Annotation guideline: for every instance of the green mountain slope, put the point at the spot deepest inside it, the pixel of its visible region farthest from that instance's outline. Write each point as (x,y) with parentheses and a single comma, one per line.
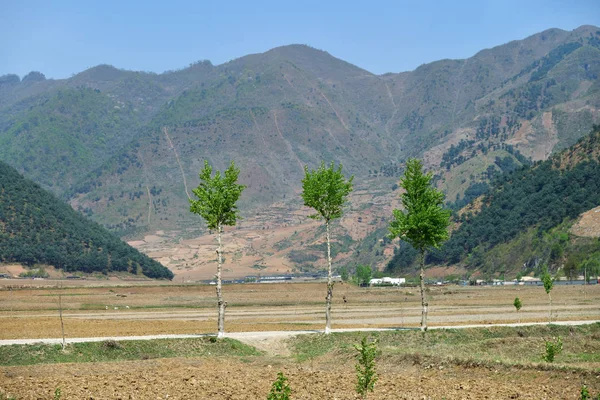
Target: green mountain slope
(524,219)
(293,106)
(60,137)
(35,227)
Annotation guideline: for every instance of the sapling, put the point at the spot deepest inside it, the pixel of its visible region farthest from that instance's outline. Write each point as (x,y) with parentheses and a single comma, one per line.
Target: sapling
(553,348)
(216,203)
(365,366)
(326,190)
(548,282)
(280,390)
(517,303)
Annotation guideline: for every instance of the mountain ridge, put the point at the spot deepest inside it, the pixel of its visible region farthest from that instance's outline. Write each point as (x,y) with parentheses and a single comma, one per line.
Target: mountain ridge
(294,105)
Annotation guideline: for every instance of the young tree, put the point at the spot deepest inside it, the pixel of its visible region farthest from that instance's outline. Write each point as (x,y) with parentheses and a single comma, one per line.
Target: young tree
(365,367)
(424,222)
(216,204)
(344,273)
(548,282)
(517,303)
(325,190)
(363,274)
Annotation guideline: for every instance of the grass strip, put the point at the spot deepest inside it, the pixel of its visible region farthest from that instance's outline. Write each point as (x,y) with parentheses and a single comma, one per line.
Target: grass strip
(514,346)
(110,350)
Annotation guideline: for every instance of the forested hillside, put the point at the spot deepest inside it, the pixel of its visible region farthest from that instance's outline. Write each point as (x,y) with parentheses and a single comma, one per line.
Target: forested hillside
(37,228)
(125,147)
(523,221)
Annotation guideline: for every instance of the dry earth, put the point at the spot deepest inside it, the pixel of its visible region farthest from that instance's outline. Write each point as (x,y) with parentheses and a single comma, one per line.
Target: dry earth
(103,311)
(328,378)
(32,313)
(588,224)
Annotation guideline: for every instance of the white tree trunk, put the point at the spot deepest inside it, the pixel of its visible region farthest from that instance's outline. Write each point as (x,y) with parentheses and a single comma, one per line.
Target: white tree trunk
(550,315)
(62,325)
(423,302)
(220,302)
(329,285)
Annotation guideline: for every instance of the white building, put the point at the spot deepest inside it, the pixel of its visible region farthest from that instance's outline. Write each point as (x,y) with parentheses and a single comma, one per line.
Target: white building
(387,281)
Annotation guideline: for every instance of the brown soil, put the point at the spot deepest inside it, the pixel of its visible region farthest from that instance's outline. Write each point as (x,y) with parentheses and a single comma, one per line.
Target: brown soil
(327,378)
(279,307)
(91,312)
(588,224)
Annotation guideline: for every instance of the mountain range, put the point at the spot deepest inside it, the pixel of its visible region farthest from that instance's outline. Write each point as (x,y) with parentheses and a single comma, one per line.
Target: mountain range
(125,147)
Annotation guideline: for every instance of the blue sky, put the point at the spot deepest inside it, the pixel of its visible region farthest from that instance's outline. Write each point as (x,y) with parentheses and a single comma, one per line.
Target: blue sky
(63,37)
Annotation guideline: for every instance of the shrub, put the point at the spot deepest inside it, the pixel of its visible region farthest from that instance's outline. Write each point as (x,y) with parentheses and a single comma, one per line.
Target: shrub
(553,348)
(585,394)
(280,389)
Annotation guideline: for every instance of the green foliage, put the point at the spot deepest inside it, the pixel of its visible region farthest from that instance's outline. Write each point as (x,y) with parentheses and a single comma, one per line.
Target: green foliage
(553,348)
(119,351)
(65,134)
(548,281)
(365,366)
(57,394)
(280,390)
(404,258)
(554,57)
(591,266)
(301,257)
(325,190)
(540,197)
(363,274)
(424,223)
(585,393)
(34,273)
(344,273)
(517,303)
(217,196)
(497,346)
(37,228)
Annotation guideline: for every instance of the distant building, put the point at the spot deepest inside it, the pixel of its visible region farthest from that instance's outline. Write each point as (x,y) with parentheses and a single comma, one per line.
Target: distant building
(387,281)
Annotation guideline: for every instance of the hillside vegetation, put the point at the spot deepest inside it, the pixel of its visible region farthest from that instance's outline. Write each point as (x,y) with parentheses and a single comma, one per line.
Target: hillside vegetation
(125,147)
(37,228)
(522,223)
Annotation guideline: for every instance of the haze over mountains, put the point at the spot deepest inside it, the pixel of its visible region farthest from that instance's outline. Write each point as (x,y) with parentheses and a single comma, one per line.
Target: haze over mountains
(126,147)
